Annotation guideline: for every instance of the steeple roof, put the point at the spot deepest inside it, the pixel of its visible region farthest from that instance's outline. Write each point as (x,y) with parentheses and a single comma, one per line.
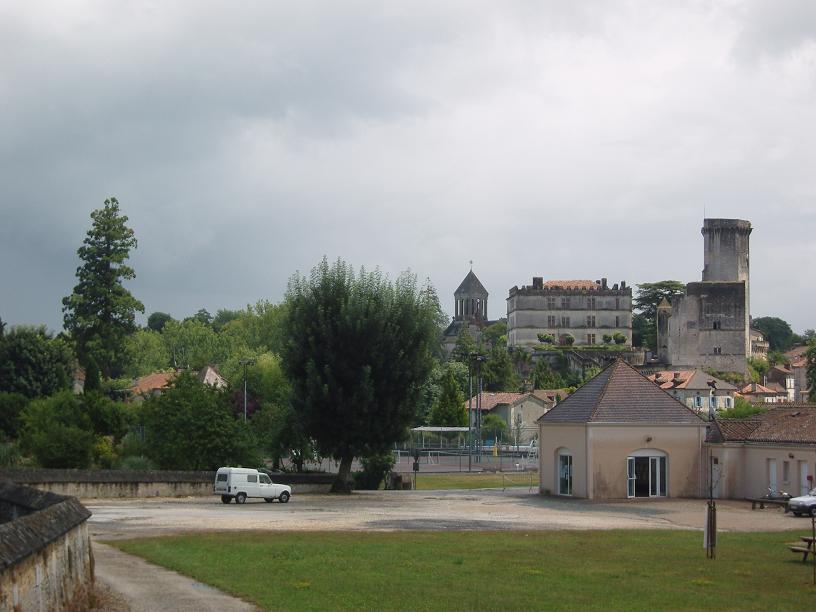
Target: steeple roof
(471,286)
(620,394)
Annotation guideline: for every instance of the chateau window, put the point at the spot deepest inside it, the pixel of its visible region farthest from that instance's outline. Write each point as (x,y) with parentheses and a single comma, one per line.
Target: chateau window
(551,321)
(550,303)
(617,321)
(591,303)
(565,322)
(617,303)
(565,302)
(591,322)
(718,350)
(590,338)
(716,325)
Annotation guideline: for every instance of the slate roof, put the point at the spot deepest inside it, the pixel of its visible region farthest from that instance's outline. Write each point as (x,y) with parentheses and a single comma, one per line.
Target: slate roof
(471,286)
(783,424)
(688,379)
(620,394)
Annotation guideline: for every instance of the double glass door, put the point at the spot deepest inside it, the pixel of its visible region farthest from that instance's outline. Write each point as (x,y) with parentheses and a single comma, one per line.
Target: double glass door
(646,476)
(565,474)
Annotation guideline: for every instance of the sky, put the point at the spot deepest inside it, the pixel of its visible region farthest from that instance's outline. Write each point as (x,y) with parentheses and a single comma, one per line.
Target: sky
(246,140)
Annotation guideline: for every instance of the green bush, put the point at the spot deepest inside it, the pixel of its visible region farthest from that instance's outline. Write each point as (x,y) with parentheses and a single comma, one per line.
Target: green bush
(9,454)
(375,469)
(569,339)
(619,338)
(104,455)
(607,338)
(546,338)
(135,462)
(57,432)
(11,406)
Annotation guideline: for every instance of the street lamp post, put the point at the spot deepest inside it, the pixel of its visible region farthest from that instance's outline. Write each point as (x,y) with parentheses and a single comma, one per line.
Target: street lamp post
(245,363)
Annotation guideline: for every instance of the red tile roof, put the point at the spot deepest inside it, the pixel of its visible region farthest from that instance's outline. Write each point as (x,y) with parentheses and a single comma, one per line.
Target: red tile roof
(688,379)
(782,424)
(797,356)
(491,400)
(571,284)
(152,382)
(757,389)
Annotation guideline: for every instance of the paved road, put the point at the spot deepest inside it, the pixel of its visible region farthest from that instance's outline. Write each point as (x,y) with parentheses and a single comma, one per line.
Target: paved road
(515,509)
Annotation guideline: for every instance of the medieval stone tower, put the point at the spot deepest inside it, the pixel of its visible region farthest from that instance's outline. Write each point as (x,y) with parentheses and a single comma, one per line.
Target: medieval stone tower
(471,300)
(709,326)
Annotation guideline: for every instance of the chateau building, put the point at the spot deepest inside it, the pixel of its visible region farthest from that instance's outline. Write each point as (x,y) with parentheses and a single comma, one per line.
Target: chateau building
(584,309)
(709,326)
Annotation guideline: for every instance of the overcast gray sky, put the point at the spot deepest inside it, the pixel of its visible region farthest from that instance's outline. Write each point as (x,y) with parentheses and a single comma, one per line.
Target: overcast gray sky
(245,140)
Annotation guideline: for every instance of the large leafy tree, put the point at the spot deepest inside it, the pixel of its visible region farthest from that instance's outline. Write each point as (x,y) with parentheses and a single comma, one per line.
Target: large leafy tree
(358,351)
(57,431)
(33,362)
(157,320)
(191,427)
(647,299)
(100,313)
(145,352)
(777,332)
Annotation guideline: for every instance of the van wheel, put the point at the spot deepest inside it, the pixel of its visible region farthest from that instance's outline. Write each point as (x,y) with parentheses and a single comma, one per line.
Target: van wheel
(812,511)
(284,497)
(225,499)
(240,498)
(268,500)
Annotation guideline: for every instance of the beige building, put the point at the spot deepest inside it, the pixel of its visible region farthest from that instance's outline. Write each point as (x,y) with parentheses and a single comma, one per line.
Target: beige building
(620,436)
(697,390)
(584,309)
(772,450)
(519,411)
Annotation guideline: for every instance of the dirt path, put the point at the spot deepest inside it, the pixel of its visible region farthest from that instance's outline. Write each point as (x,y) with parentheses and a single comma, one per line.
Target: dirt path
(148,588)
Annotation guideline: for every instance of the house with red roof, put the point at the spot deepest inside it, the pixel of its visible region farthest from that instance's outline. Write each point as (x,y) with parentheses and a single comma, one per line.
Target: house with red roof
(519,411)
(696,389)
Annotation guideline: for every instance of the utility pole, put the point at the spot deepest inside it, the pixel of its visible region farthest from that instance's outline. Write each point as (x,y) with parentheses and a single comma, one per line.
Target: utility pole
(245,363)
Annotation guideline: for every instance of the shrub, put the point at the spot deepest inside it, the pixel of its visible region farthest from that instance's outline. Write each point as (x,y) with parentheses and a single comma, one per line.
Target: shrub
(135,462)
(607,338)
(9,453)
(619,338)
(569,339)
(104,455)
(375,469)
(57,432)
(546,338)
(11,405)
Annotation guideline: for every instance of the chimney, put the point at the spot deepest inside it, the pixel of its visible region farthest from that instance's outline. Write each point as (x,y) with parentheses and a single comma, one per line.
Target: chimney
(538,282)
(603,284)
(623,285)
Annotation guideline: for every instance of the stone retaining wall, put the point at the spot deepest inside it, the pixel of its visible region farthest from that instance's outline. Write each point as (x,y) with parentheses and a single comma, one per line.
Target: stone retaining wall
(46,562)
(100,484)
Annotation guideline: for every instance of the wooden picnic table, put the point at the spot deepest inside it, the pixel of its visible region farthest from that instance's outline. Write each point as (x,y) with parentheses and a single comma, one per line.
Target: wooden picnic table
(806,550)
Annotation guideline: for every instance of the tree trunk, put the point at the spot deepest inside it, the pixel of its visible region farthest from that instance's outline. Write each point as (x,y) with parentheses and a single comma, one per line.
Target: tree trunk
(342,483)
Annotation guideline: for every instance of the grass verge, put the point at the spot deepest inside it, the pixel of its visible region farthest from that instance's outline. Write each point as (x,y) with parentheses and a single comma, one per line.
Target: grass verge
(474,480)
(563,570)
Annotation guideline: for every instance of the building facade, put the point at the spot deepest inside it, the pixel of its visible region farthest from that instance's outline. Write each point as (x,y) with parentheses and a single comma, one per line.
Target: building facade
(583,309)
(709,326)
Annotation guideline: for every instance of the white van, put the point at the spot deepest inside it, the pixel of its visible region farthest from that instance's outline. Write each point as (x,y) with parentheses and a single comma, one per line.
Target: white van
(241,483)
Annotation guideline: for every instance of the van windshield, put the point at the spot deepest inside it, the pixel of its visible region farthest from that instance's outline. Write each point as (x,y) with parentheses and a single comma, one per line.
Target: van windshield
(221,478)
(265,479)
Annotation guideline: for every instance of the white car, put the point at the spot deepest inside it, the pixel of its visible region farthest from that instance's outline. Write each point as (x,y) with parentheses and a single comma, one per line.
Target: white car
(805,504)
(242,483)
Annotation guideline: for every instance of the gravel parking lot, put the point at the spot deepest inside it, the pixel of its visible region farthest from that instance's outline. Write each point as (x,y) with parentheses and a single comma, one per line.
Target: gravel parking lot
(515,509)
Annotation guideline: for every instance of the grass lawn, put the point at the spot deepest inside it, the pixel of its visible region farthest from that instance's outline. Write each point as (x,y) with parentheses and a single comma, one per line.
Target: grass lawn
(474,480)
(616,570)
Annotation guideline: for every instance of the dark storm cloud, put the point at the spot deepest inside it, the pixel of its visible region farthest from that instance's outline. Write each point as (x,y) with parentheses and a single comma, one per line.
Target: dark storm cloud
(246,141)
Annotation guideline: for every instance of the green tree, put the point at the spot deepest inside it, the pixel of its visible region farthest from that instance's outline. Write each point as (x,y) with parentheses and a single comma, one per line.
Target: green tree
(647,299)
(145,352)
(57,432)
(202,316)
(100,313)
(191,427)
(495,334)
(449,409)
(224,316)
(493,425)
(544,377)
(157,320)
(498,373)
(34,363)
(193,344)
(742,409)
(358,351)
(777,332)
(465,346)
(11,406)
(811,369)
